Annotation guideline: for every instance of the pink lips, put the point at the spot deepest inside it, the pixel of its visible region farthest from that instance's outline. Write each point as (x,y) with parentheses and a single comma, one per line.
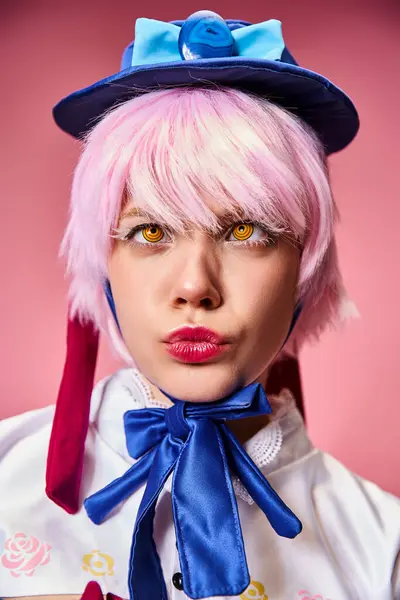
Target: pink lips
(195,334)
(196,344)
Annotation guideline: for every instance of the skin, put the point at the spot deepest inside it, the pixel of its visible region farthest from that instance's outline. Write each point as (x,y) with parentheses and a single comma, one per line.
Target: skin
(246,293)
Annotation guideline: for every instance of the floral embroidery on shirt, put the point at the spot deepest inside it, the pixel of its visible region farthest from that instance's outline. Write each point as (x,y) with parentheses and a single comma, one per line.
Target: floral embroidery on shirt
(305,595)
(255,591)
(23,554)
(98,563)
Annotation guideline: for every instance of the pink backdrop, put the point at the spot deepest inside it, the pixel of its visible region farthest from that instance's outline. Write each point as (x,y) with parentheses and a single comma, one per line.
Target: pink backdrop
(49,49)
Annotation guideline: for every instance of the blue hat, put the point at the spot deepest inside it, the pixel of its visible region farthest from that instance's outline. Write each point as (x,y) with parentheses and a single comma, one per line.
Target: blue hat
(206,49)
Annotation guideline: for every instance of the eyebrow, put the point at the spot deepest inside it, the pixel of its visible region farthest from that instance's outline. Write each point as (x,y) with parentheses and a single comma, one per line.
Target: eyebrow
(133,212)
(224,219)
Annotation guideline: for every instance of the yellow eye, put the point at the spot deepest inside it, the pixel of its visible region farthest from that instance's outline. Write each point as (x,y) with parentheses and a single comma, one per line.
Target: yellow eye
(243,231)
(152,233)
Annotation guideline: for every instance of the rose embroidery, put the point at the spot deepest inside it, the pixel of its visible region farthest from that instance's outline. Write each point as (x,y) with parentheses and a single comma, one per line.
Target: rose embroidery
(305,595)
(255,591)
(23,554)
(98,563)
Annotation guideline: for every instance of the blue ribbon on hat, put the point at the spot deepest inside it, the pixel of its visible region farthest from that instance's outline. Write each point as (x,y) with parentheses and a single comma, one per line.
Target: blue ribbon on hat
(193,441)
(157,42)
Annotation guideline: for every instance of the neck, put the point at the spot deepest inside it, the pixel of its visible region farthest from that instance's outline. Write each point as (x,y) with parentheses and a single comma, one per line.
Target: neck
(243,429)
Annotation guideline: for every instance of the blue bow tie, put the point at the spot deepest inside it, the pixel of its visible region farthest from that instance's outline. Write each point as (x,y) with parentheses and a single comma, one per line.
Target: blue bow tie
(193,440)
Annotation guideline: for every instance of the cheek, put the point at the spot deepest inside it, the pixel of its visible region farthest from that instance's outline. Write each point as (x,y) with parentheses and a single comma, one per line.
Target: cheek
(130,289)
(264,291)
(132,305)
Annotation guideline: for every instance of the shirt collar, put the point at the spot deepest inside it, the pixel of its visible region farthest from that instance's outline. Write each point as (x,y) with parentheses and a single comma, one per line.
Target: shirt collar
(282,441)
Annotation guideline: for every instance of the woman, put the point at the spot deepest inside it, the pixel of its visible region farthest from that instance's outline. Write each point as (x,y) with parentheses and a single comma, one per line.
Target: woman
(201,239)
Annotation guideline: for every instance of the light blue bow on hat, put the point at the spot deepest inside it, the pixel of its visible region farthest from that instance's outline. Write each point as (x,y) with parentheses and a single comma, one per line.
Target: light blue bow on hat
(157,42)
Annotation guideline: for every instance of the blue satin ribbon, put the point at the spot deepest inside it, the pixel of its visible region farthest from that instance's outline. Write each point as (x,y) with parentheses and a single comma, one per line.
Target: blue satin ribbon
(193,441)
(157,42)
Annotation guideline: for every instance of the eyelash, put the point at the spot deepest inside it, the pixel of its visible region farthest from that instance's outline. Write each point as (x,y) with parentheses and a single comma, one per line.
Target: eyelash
(128,235)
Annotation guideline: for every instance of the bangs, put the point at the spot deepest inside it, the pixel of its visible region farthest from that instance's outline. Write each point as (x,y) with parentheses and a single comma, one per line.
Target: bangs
(203,147)
(197,157)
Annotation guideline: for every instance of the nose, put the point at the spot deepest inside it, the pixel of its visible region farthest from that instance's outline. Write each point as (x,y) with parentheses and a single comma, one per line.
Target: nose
(196,277)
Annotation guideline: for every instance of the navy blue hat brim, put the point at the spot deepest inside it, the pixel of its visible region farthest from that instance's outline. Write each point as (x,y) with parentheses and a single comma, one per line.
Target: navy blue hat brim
(310,96)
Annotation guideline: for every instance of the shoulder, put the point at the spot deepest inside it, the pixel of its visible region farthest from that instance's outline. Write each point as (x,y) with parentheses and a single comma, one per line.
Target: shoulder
(24,441)
(38,539)
(24,438)
(27,428)
(359,522)
(362,498)
(19,427)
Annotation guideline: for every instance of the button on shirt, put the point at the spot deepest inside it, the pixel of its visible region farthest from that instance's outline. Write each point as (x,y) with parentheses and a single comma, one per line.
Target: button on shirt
(348,549)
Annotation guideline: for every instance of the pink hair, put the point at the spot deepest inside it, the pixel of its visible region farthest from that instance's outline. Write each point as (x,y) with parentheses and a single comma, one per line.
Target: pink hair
(167,146)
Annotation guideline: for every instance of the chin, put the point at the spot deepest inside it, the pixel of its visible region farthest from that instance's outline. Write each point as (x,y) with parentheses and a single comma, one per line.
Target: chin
(202,383)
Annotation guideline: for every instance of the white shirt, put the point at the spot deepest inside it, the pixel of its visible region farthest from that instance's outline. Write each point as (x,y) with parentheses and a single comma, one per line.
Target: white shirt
(348,549)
